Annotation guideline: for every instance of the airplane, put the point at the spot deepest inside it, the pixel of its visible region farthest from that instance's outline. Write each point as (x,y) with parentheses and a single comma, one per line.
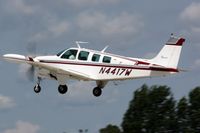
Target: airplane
(91,65)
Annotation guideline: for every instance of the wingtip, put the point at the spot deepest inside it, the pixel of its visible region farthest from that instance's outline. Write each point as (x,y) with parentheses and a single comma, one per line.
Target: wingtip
(6,56)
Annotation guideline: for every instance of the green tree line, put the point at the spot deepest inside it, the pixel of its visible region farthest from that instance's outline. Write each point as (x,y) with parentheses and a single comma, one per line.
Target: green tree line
(154,110)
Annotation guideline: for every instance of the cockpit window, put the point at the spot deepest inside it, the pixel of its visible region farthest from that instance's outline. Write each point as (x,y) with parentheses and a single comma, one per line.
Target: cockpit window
(106,59)
(60,52)
(95,57)
(70,54)
(83,55)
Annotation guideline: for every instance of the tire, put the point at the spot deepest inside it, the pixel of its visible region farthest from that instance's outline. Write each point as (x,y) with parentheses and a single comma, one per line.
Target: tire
(62,89)
(97,91)
(37,88)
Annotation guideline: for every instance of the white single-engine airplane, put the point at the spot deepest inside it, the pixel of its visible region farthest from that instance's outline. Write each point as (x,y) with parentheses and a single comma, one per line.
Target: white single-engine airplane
(90,65)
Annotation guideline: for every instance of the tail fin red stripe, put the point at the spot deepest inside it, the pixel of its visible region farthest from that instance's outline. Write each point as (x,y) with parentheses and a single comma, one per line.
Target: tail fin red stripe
(178,42)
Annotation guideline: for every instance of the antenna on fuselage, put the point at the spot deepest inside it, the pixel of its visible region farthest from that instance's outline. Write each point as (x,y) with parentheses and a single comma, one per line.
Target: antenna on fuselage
(80,42)
(104,49)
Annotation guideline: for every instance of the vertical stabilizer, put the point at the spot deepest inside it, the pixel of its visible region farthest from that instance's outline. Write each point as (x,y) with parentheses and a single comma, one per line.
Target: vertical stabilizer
(170,53)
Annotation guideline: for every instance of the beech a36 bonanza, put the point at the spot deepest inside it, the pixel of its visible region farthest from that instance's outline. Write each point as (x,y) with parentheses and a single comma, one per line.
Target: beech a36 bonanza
(90,65)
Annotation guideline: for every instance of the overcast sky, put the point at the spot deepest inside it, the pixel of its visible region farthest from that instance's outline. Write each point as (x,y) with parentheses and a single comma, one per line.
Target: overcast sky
(130,28)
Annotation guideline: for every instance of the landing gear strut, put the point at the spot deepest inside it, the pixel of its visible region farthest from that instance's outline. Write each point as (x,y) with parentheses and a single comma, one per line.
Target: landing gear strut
(62,89)
(37,87)
(97,91)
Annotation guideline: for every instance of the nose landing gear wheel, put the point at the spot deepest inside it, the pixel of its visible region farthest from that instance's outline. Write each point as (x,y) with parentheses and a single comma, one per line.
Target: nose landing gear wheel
(37,88)
(97,91)
(62,89)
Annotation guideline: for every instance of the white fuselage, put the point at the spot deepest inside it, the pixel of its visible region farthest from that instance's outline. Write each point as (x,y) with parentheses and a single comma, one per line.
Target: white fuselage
(119,67)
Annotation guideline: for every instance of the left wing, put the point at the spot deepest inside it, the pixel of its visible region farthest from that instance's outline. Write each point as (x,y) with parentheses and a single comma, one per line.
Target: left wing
(36,63)
(16,58)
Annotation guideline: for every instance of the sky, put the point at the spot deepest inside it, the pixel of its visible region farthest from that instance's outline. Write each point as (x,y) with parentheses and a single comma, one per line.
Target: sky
(130,28)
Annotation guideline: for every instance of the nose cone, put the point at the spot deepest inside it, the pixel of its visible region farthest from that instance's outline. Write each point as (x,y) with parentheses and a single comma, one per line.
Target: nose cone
(38,58)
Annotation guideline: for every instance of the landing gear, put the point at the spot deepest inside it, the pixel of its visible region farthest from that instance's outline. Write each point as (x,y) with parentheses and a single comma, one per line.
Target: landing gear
(62,89)
(37,88)
(97,91)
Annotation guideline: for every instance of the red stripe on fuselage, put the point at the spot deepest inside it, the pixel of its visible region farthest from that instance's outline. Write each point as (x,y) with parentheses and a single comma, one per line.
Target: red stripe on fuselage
(114,65)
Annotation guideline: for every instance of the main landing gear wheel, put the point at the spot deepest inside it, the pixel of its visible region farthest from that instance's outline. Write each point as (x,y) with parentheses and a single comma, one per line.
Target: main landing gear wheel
(37,88)
(97,91)
(62,89)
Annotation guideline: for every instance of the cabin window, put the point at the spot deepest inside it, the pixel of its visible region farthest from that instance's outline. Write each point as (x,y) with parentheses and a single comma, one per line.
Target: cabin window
(106,59)
(70,54)
(95,57)
(83,55)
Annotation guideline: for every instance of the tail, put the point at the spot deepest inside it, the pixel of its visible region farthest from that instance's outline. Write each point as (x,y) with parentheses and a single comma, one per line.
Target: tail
(170,53)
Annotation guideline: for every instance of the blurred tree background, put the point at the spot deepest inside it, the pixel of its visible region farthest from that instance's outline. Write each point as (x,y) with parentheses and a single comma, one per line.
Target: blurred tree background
(154,110)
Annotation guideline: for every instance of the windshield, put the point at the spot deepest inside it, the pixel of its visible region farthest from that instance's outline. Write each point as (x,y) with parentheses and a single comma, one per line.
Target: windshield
(70,54)
(60,52)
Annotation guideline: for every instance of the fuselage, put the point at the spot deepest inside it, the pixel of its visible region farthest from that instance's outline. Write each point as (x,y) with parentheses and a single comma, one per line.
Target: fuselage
(97,65)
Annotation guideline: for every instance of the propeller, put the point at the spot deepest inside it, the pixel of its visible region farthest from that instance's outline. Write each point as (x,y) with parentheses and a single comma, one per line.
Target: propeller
(28,71)
(32,49)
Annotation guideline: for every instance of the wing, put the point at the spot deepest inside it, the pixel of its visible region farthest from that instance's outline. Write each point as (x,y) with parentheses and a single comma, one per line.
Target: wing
(69,73)
(32,61)
(17,58)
